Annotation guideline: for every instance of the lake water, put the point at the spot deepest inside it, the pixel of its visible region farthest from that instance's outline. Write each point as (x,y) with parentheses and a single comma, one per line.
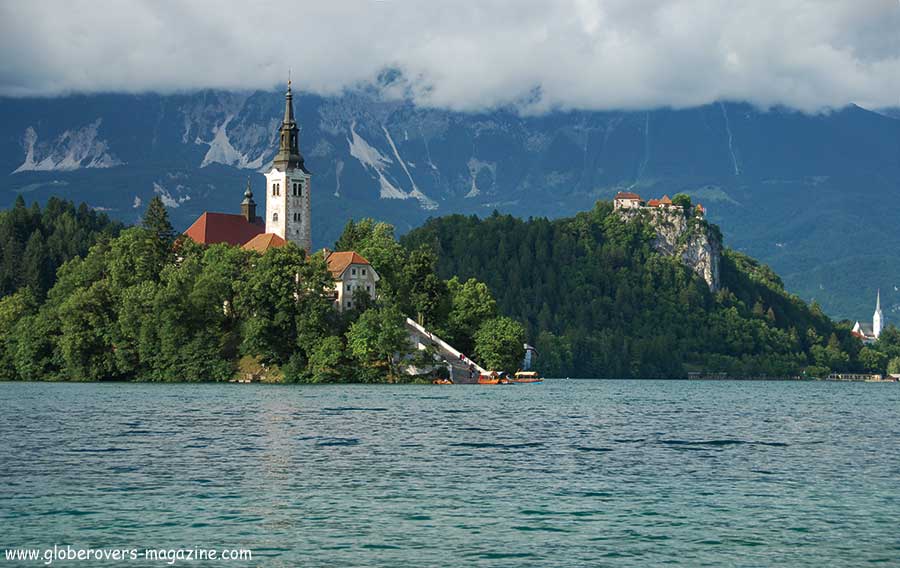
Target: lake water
(566,473)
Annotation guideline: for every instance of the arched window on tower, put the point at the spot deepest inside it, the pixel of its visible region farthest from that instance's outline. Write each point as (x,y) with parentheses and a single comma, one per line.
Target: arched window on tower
(275,217)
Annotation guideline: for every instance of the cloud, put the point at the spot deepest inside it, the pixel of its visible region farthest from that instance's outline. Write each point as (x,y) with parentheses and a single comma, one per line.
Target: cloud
(537,54)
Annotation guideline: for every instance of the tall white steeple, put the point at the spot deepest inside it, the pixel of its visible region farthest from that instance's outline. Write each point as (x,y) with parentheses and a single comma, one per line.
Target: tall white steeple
(878,318)
(287,185)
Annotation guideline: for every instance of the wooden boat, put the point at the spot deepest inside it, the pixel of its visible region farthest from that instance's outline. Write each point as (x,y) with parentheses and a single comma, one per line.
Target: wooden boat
(494,378)
(527,377)
(442,382)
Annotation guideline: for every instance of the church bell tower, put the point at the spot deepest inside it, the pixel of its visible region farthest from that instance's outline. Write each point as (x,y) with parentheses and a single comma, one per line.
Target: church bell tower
(287,185)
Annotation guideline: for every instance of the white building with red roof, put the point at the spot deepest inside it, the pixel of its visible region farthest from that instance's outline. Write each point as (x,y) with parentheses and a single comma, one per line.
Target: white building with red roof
(353,276)
(627,200)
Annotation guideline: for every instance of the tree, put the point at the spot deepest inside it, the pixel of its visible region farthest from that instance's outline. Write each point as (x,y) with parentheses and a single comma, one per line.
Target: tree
(378,339)
(283,304)
(327,361)
(499,344)
(86,324)
(471,305)
(156,220)
(12,309)
(873,360)
(35,355)
(376,242)
(425,293)
(893,366)
(682,200)
(37,266)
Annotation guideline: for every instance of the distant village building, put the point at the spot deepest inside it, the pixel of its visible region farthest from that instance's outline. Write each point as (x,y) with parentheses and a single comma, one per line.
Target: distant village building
(287,219)
(629,200)
(353,276)
(664,203)
(869,333)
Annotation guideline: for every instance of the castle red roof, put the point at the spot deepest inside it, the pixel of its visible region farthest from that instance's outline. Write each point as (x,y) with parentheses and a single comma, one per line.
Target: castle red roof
(212,228)
(264,242)
(627,195)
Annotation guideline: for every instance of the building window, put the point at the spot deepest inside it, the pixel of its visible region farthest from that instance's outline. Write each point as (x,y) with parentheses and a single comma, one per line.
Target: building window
(349,287)
(349,303)
(368,288)
(353,272)
(275,217)
(363,271)
(295,190)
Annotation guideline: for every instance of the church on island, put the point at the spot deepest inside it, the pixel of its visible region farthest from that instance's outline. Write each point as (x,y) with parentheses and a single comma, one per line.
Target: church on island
(287,218)
(869,333)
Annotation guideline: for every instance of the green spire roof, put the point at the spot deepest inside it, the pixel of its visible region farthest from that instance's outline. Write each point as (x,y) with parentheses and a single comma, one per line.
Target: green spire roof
(248,193)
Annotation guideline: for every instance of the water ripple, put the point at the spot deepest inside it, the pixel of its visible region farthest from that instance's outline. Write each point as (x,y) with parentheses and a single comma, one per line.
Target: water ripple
(573,473)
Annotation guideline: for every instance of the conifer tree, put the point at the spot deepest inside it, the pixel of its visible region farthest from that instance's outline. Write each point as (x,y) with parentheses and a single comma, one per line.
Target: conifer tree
(156,219)
(37,269)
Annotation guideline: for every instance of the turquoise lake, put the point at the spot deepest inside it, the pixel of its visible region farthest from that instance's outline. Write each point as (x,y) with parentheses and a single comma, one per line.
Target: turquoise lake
(565,473)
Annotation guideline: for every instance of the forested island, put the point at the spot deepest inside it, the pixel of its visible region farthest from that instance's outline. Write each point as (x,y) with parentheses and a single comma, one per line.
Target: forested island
(84,298)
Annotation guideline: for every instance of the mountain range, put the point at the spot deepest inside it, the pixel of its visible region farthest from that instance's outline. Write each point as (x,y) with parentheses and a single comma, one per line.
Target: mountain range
(813,195)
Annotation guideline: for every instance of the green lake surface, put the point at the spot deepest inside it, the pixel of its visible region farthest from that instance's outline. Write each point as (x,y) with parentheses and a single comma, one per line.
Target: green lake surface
(565,473)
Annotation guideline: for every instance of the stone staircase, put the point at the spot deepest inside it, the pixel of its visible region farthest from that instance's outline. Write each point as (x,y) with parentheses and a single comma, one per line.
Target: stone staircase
(421,338)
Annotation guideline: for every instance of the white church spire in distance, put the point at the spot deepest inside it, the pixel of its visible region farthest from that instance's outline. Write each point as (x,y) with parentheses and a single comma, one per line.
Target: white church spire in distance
(878,318)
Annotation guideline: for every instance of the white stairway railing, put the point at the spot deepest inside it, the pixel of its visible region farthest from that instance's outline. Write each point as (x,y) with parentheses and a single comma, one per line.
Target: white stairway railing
(445,347)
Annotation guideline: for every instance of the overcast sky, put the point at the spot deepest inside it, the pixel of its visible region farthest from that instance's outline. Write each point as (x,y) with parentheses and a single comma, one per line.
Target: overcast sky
(467,54)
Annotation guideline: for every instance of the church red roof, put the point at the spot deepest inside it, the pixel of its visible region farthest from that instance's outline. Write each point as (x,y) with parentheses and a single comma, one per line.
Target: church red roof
(212,228)
(627,195)
(263,242)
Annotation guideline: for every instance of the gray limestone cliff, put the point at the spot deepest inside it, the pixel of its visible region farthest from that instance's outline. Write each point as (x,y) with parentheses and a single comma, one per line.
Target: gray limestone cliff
(691,239)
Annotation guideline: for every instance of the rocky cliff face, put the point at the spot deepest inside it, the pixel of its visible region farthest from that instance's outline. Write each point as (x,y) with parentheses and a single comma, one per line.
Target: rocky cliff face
(691,239)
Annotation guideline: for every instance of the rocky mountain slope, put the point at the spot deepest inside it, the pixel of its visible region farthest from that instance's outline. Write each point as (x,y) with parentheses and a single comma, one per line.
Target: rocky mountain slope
(813,195)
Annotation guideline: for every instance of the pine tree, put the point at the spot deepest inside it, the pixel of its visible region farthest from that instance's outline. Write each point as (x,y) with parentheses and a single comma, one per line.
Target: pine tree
(156,219)
(37,268)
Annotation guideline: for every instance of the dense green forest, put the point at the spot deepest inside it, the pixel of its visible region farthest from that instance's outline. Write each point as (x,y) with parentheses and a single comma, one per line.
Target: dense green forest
(598,301)
(84,299)
(35,242)
(145,305)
